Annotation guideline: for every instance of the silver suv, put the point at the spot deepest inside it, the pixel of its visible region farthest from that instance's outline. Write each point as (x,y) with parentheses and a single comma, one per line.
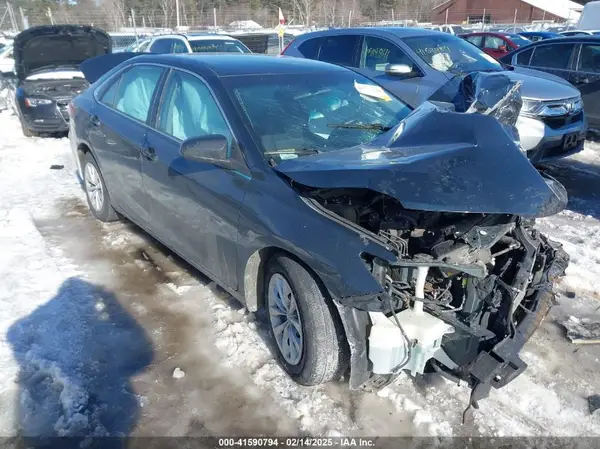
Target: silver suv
(414,63)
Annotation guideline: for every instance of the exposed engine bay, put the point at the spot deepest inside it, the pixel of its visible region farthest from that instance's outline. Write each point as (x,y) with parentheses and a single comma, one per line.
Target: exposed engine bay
(464,295)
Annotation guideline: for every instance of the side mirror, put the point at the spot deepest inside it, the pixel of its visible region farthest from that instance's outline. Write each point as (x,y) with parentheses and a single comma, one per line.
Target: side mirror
(399,70)
(211,149)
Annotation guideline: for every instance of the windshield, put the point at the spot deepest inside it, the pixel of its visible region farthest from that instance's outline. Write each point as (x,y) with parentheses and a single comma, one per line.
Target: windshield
(217,46)
(448,53)
(518,39)
(297,114)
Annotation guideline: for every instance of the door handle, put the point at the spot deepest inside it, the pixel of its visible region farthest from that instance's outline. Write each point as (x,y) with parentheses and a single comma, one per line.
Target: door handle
(94,120)
(148,152)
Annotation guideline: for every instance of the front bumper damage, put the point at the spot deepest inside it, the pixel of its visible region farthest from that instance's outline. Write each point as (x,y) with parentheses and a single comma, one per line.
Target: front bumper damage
(474,354)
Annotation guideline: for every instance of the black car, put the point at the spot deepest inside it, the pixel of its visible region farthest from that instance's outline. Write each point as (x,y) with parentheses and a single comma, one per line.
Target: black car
(375,238)
(47,75)
(576,59)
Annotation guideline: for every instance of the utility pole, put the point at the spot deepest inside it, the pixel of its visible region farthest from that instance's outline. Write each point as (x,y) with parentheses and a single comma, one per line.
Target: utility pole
(515,21)
(177,8)
(24,18)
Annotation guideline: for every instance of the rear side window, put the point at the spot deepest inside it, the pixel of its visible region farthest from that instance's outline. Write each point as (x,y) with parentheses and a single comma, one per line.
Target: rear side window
(163,46)
(310,48)
(524,57)
(556,56)
(108,98)
(135,91)
(339,49)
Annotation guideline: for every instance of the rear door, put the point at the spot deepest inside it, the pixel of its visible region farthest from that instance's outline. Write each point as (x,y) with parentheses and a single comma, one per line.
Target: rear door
(586,78)
(117,130)
(555,58)
(194,206)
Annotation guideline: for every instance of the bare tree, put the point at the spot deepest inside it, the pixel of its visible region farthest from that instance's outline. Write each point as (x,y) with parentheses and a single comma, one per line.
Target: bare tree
(167,7)
(305,9)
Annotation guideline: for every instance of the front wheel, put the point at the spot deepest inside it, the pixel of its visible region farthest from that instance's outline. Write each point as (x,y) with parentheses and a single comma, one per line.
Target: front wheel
(96,192)
(302,321)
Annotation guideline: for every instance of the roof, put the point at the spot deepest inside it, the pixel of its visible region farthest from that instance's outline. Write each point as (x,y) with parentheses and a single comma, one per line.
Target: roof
(400,32)
(565,9)
(212,37)
(563,40)
(242,64)
(538,33)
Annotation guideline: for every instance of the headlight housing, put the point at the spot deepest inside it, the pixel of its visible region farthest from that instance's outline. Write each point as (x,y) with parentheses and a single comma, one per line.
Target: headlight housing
(555,108)
(35,102)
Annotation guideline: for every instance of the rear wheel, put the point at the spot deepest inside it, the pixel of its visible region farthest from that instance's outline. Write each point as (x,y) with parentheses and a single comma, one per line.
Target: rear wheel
(96,192)
(303,324)
(26,131)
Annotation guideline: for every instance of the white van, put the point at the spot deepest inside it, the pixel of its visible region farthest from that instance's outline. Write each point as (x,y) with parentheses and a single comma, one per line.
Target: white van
(590,17)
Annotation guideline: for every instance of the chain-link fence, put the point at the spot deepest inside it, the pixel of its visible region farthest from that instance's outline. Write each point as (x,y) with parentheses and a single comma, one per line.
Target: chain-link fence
(114,16)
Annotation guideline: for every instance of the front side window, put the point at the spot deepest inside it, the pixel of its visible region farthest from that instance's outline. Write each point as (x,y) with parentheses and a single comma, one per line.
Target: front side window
(476,40)
(135,91)
(217,46)
(555,56)
(339,49)
(293,115)
(188,109)
(589,60)
(494,42)
(377,53)
(448,53)
(179,47)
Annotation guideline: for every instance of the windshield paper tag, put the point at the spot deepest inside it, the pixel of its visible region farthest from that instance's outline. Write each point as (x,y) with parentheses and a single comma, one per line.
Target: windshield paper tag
(370,90)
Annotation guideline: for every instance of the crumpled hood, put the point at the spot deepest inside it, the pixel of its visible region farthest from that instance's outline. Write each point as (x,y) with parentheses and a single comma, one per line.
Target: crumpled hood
(57,45)
(441,161)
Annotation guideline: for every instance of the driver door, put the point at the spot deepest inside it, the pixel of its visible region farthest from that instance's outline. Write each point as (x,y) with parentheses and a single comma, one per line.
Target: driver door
(194,206)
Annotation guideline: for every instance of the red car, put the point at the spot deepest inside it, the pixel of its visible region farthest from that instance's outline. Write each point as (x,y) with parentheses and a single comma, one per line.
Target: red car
(496,44)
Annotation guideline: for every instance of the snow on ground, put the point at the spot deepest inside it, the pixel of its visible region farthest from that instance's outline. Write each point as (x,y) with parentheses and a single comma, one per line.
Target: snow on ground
(104,332)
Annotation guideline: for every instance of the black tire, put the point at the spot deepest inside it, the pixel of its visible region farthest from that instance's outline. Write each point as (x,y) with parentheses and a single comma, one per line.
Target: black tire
(106,213)
(26,131)
(324,351)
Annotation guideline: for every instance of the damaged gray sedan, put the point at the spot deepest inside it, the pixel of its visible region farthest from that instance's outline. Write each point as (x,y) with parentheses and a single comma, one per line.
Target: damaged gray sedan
(377,239)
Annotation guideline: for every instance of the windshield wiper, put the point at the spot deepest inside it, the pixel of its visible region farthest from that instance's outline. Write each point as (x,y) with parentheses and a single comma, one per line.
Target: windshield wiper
(367,126)
(300,152)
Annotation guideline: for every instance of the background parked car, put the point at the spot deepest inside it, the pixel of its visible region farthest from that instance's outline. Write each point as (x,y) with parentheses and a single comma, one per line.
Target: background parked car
(576,59)
(496,44)
(47,77)
(196,43)
(573,33)
(414,63)
(535,36)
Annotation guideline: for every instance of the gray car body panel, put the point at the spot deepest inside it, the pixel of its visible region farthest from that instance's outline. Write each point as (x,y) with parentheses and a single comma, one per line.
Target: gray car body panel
(536,85)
